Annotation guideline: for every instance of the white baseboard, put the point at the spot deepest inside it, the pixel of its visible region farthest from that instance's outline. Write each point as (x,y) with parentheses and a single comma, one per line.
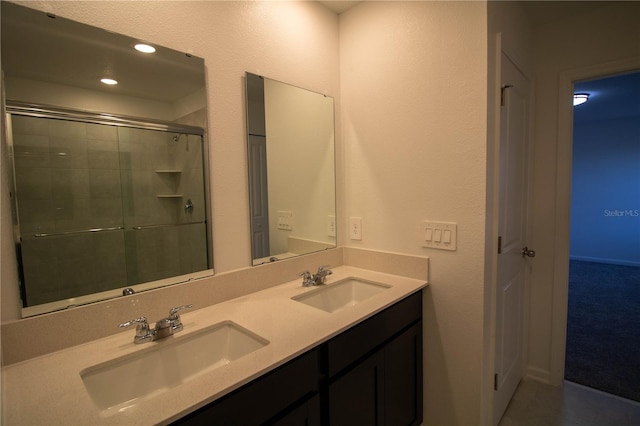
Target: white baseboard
(538,374)
(605,260)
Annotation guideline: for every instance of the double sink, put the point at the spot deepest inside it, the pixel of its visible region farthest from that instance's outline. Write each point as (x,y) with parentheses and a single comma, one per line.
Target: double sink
(120,383)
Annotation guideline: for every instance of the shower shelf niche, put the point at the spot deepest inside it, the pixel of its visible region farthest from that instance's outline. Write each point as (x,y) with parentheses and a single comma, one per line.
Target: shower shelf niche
(173,174)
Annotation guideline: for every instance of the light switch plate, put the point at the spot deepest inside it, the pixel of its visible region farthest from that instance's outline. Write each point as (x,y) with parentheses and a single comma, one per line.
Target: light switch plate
(439,235)
(285,220)
(355,228)
(331,225)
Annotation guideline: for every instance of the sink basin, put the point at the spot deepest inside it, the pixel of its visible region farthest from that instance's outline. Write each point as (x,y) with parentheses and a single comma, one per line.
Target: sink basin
(341,294)
(121,383)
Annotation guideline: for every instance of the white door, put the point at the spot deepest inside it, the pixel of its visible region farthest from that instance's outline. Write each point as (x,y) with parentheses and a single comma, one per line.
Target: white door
(512,251)
(259,196)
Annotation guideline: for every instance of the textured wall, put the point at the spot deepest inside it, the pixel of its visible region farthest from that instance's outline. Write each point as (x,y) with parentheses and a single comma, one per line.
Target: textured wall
(414,83)
(605,192)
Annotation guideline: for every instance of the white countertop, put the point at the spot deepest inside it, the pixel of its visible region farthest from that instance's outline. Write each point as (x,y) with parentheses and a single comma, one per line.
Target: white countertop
(48,390)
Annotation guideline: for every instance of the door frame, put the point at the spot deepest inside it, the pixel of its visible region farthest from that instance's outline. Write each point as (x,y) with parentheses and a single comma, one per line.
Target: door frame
(566,81)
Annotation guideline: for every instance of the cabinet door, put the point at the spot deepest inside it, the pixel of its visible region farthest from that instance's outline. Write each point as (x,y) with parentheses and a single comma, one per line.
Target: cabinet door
(385,389)
(356,398)
(403,378)
(307,414)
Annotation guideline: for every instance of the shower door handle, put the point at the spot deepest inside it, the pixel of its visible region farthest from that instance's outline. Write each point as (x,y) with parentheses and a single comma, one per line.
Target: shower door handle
(188,207)
(528,252)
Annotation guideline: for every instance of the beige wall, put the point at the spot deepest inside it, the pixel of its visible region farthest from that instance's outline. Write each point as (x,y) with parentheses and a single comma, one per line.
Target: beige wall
(413,78)
(44,93)
(610,33)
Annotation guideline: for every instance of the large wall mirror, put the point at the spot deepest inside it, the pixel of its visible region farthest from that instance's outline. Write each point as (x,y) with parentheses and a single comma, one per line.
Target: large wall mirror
(109,182)
(291,170)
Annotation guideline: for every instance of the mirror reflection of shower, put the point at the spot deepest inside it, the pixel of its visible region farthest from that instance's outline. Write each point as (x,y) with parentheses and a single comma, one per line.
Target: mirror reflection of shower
(176,138)
(103,207)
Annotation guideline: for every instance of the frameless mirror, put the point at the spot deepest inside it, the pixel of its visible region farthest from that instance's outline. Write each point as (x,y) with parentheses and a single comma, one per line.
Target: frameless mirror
(109,182)
(291,170)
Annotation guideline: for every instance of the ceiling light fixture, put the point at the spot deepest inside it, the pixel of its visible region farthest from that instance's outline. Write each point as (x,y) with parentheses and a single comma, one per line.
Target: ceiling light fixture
(144,48)
(580,98)
(109,81)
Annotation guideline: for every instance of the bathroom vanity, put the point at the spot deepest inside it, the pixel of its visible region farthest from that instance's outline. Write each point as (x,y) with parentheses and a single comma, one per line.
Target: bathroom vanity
(369,374)
(348,352)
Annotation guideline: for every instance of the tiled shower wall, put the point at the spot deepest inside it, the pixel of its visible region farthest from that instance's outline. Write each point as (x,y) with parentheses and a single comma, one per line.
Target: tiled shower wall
(73,176)
(160,174)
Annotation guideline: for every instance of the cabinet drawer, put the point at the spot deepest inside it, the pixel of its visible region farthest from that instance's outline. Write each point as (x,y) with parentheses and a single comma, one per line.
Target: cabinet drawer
(259,401)
(358,341)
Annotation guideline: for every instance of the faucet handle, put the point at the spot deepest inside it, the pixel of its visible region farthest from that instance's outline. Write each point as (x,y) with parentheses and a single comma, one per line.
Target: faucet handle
(173,311)
(307,278)
(174,318)
(321,276)
(142,329)
(142,321)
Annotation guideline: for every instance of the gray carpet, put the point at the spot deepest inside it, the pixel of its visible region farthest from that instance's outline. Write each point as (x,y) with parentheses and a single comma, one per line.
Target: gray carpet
(603,328)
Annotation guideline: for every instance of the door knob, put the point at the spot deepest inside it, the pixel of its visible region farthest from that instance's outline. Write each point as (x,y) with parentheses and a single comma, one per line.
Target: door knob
(527,252)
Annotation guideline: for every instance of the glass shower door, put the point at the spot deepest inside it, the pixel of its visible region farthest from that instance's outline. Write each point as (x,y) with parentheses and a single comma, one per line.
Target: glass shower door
(69,204)
(101,207)
(164,207)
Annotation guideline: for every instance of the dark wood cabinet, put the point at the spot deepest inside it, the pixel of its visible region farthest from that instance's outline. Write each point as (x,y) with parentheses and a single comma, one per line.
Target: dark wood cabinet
(383,389)
(403,378)
(266,400)
(356,398)
(371,374)
(305,414)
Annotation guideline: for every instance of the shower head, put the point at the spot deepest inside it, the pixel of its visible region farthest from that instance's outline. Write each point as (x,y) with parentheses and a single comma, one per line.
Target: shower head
(176,139)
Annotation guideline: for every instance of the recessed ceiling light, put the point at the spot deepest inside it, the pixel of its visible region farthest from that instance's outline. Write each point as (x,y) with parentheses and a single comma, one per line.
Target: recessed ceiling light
(109,81)
(144,48)
(580,98)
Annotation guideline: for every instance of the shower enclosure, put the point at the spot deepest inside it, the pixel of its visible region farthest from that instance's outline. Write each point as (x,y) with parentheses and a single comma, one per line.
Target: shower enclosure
(101,204)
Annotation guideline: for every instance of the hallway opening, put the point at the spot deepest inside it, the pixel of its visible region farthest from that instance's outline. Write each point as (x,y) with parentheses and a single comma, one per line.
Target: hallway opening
(603,319)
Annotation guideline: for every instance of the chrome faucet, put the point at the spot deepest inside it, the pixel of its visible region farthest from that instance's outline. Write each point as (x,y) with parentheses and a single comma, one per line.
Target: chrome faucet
(164,327)
(319,278)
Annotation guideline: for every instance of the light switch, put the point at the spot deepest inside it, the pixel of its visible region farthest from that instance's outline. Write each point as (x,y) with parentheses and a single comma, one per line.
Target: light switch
(428,234)
(439,235)
(285,220)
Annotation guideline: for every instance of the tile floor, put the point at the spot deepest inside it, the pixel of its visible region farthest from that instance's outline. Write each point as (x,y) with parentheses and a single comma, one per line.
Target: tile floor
(538,404)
